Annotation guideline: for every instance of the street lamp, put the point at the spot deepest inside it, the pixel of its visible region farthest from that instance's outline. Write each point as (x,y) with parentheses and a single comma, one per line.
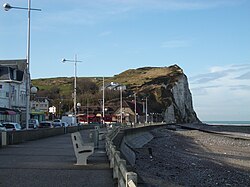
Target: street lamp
(78,105)
(146,110)
(74,61)
(103,100)
(121,101)
(7,7)
(135,109)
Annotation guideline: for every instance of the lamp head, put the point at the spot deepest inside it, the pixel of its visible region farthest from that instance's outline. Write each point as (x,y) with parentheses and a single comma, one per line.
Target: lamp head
(63,60)
(7,6)
(33,90)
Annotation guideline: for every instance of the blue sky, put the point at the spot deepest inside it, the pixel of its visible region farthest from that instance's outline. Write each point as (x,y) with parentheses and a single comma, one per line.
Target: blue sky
(209,39)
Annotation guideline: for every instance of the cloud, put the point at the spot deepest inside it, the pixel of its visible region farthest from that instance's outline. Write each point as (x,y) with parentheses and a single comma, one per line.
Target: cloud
(207,77)
(222,93)
(231,72)
(244,76)
(245,66)
(240,87)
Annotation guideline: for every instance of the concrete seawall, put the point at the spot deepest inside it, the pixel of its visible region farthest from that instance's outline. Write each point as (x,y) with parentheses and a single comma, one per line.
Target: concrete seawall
(130,139)
(16,137)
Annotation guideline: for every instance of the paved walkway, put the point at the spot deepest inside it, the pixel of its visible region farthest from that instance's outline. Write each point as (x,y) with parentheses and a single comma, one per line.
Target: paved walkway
(50,162)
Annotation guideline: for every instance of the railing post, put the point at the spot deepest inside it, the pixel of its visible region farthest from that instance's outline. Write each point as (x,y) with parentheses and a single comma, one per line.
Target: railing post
(116,165)
(96,137)
(121,181)
(4,139)
(107,147)
(112,156)
(131,176)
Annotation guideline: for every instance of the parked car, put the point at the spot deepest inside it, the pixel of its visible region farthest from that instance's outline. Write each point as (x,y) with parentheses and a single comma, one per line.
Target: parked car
(2,127)
(33,123)
(65,124)
(57,123)
(46,124)
(11,126)
(69,119)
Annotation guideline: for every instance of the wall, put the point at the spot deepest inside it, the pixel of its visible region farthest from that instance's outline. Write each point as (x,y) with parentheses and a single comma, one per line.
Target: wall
(130,139)
(16,137)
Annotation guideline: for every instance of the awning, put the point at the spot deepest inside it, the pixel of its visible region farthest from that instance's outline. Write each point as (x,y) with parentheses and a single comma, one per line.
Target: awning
(36,112)
(91,116)
(10,112)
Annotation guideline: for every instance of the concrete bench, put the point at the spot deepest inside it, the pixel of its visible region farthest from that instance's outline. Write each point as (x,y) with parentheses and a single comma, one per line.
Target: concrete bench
(82,150)
(101,134)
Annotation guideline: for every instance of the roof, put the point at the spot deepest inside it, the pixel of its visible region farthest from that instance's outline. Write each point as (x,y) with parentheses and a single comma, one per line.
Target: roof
(12,70)
(19,64)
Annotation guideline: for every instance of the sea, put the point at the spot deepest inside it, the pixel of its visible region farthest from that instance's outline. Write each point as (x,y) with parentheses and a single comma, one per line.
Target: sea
(233,123)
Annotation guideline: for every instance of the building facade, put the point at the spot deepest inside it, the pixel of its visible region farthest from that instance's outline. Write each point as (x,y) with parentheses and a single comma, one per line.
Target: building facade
(39,108)
(12,90)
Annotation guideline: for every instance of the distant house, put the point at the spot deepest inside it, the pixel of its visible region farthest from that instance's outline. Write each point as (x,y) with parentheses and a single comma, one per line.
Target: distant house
(39,108)
(12,90)
(115,86)
(128,112)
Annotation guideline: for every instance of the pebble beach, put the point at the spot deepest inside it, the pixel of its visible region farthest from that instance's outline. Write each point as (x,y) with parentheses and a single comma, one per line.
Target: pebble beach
(188,157)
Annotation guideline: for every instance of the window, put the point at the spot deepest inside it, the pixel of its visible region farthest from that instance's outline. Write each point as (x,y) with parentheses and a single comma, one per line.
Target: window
(1,86)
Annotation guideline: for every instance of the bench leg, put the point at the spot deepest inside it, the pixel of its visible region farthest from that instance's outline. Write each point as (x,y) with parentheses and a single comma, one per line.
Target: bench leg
(81,160)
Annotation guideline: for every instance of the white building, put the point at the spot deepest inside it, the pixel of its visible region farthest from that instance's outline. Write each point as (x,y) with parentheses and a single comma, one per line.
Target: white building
(40,103)
(39,108)
(115,86)
(12,90)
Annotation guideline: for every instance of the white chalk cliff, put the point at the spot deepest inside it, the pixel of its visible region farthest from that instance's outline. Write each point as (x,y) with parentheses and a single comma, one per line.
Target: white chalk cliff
(180,109)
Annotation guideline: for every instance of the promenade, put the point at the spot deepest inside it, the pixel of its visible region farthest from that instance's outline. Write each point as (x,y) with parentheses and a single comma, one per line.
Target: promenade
(50,162)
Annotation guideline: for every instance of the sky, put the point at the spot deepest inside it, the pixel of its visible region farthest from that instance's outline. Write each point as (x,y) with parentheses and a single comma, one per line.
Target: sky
(208,39)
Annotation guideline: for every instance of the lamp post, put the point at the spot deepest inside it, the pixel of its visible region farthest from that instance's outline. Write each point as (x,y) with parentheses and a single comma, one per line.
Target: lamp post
(135,109)
(103,100)
(87,111)
(121,101)
(7,7)
(146,110)
(74,95)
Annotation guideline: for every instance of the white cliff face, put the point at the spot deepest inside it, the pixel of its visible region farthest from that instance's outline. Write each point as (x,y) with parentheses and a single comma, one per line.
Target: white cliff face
(170,115)
(181,109)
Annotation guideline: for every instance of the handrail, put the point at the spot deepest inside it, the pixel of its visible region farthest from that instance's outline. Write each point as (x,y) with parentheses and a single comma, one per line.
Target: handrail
(125,178)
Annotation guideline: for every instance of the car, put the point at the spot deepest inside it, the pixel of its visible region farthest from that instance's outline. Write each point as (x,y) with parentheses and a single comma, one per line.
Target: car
(69,119)
(12,126)
(57,123)
(45,124)
(64,124)
(33,123)
(2,127)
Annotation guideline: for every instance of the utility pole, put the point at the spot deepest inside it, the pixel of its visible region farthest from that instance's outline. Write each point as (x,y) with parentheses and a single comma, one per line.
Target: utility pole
(103,100)
(121,101)
(135,109)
